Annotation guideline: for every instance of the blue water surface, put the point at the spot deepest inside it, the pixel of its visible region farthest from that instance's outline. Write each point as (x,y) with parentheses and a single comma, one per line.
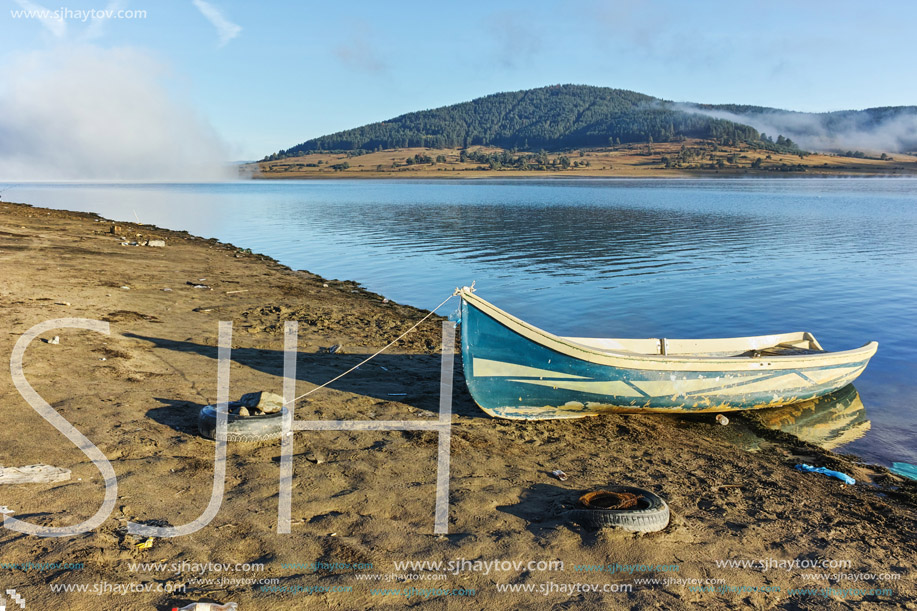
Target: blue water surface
(614,258)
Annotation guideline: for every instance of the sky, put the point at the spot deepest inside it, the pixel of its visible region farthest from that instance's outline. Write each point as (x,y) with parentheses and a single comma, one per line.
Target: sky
(175,84)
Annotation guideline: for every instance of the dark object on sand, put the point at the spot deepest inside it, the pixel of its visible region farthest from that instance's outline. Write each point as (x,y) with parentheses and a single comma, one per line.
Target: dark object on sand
(241,427)
(624,507)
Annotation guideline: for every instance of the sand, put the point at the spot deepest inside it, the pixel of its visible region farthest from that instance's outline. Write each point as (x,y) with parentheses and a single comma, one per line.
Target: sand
(366,499)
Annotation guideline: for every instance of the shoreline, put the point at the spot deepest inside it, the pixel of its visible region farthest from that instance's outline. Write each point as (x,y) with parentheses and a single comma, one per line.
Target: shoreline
(562,176)
(367,497)
(496,176)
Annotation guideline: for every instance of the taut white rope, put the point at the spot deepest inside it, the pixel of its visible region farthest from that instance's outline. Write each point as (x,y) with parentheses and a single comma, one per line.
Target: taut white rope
(369,358)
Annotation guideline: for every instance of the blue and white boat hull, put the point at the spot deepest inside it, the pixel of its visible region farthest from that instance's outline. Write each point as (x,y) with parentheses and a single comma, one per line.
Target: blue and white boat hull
(515,370)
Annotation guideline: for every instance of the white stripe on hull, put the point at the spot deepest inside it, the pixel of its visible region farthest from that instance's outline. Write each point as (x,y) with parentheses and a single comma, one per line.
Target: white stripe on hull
(484,368)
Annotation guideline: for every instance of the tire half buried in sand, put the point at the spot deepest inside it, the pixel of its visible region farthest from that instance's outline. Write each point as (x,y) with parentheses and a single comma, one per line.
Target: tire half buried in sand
(623,507)
(258,427)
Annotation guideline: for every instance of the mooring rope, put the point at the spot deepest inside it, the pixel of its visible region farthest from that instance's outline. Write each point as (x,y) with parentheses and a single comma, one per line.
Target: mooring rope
(369,358)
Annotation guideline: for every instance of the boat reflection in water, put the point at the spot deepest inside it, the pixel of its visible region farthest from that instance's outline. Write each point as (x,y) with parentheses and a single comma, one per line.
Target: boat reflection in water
(829,421)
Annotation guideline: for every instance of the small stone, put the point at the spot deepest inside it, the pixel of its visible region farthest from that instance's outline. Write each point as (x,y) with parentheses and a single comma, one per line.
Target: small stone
(126,288)
(54,340)
(325,285)
(315,457)
(62,303)
(156,243)
(167,290)
(243,411)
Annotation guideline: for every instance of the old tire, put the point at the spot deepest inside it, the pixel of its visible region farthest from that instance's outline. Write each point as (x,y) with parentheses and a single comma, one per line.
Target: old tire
(650,515)
(262,427)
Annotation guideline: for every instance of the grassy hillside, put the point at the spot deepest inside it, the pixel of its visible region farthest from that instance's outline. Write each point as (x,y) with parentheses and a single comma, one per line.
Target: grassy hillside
(693,157)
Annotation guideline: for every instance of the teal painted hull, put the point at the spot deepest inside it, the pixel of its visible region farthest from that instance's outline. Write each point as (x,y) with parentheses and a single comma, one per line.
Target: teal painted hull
(514,370)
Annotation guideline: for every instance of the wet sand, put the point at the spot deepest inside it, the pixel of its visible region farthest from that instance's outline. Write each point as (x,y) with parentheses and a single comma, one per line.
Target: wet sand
(367,498)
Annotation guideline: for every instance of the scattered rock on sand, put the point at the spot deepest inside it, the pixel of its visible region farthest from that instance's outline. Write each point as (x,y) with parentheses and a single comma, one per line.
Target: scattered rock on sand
(33,474)
(263,401)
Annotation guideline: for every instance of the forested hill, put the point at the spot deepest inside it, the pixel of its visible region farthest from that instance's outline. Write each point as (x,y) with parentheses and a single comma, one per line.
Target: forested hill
(550,118)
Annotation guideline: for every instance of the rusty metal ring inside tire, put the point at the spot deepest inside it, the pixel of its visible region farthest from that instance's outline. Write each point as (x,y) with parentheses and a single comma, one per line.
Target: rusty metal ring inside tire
(648,512)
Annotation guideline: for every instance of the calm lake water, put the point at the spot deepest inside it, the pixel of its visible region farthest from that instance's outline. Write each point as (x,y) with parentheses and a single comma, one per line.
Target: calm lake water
(634,258)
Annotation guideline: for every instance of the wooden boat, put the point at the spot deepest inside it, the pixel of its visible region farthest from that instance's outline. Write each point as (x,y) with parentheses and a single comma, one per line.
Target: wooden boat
(516,370)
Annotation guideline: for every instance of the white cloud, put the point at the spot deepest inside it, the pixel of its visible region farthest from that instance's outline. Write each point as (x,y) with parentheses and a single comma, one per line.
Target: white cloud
(516,37)
(226,29)
(56,25)
(896,132)
(97,25)
(83,112)
(360,55)
(359,51)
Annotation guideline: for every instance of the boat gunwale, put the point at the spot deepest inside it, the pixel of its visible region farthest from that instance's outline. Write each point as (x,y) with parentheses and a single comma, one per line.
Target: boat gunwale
(674,362)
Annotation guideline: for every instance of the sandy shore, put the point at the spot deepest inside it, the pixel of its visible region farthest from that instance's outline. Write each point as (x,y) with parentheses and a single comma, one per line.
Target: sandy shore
(364,501)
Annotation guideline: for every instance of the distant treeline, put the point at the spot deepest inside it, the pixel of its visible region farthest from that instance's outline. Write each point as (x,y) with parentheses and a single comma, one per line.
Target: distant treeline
(560,117)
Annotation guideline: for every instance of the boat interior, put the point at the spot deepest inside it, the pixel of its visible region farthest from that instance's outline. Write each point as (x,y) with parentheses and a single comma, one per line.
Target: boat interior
(783,344)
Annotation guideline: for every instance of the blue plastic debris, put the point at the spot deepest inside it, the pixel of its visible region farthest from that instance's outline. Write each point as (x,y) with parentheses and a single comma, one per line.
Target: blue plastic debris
(841,476)
(905,469)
